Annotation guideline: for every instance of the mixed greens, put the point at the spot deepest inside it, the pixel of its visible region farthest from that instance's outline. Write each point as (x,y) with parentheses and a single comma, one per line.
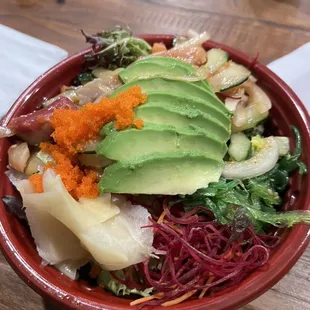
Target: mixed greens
(151,175)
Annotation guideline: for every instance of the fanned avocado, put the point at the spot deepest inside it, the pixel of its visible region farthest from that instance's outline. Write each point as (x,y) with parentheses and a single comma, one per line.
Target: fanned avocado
(182,118)
(181,146)
(180,87)
(166,66)
(178,118)
(130,143)
(188,102)
(167,174)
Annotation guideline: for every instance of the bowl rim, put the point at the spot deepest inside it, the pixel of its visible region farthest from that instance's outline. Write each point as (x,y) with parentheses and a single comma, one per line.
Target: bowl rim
(299,236)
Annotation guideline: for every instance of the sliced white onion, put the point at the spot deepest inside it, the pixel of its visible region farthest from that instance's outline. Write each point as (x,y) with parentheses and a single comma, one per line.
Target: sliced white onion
(15,176)
(19,155)
(261,99)
(246,116)
(70,267)
(231,103)
(283,145)
(259,164)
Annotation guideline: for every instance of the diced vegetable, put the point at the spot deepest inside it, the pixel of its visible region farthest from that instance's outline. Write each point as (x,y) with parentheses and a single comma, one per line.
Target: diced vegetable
(259,164)
(19,155)
(259,141)
(246,116)
(229,77)
(239,147)
(283,145)
(216,59)
(45,157)
(34,164)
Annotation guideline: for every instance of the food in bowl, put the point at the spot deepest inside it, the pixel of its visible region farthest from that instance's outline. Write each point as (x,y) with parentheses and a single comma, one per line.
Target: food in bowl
(140,178)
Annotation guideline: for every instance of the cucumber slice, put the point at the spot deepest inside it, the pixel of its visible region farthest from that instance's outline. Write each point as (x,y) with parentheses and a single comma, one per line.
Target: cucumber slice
(239,147)
(246,116)
(229,77)
(216,59)
(283,145)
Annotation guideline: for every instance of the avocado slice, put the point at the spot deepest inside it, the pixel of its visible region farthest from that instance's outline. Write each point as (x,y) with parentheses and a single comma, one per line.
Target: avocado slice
(188,102)
(130,143)
(166,174)
(166,66)
(180,118)
(180,87)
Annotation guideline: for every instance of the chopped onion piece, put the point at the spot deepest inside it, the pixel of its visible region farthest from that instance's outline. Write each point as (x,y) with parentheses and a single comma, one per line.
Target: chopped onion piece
(19,155)
(259,164)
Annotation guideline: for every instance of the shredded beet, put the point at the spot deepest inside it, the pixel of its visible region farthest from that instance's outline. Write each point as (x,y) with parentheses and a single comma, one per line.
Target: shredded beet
(200,256)
(254,61)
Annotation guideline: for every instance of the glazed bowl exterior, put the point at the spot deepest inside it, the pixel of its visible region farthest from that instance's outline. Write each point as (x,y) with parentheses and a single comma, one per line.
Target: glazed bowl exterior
(18,246)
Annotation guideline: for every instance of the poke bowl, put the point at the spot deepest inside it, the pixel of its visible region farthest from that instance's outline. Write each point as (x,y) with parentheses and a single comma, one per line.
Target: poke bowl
(265,246)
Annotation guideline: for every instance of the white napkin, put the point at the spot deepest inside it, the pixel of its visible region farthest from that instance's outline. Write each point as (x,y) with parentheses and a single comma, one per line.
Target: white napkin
(22,59)
(294,69)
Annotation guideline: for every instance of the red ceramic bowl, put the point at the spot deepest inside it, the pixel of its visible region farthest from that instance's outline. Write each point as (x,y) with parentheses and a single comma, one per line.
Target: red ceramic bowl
(18,247)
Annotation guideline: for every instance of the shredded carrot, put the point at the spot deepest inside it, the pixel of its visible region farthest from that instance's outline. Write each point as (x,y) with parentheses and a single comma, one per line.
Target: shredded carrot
(71,127)
(158,47)
(228,255)
(36,181)
(148,298)
(179,299)
(210,280)
(174,227)
(161,218)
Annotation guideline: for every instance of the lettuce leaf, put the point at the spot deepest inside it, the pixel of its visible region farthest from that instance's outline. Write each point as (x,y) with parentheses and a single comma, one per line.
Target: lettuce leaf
(108,282)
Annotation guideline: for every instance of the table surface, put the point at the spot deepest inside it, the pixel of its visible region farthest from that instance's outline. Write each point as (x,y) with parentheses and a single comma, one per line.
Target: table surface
(272,27)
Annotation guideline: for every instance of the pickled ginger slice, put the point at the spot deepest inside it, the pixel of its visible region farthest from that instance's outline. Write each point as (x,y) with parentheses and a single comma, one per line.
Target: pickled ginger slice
(55,243)
(108,227)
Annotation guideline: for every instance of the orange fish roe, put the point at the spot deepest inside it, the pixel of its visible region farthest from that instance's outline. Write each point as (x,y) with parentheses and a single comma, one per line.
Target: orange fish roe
(78,183)
(75,126)
(37,182)
(72,127)
(138,123)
